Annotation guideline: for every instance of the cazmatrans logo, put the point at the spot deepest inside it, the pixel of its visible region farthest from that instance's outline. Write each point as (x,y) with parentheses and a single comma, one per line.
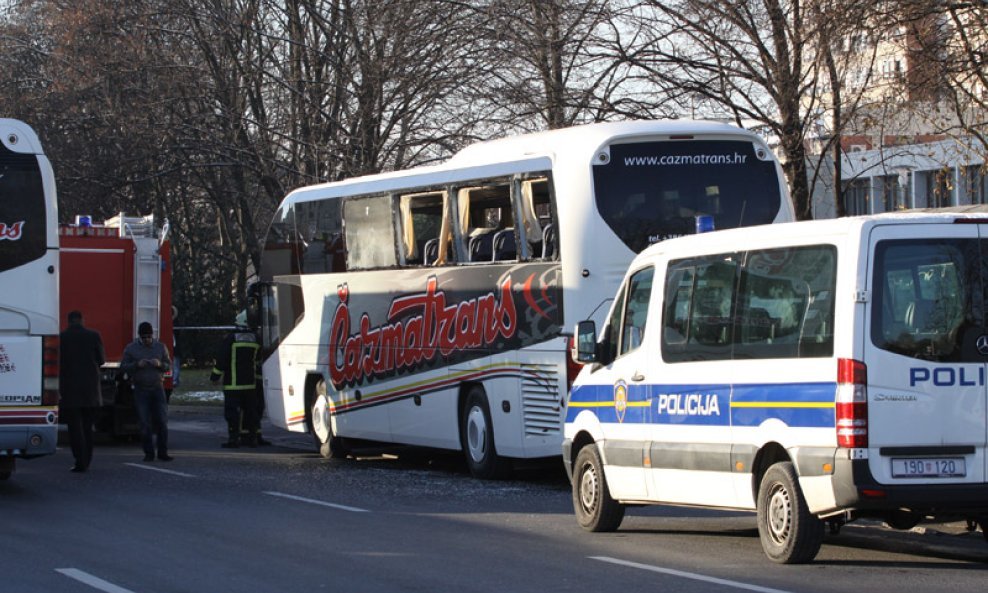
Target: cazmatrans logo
(11,232)
(420,328)
(673,160)
(6,365)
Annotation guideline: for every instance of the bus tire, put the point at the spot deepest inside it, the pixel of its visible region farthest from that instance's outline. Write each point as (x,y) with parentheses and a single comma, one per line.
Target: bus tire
(789,533)
(595,509)
(329,445)
(477,438)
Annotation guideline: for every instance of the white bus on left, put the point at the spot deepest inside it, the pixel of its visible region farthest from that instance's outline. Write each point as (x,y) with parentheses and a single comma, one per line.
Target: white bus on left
(28,298)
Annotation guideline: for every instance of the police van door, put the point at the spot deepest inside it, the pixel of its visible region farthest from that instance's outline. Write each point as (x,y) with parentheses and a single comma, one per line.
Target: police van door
(926,347)
(690,452)
(622,391)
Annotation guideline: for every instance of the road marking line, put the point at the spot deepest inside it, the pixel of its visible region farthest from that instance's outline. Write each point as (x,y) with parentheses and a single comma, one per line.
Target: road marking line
(94,582)
(158,469)
(690,575)
(341,507)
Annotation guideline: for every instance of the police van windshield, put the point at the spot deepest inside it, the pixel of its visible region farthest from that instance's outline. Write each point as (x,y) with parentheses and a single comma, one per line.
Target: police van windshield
(652,191)
(22,209)
(925,303)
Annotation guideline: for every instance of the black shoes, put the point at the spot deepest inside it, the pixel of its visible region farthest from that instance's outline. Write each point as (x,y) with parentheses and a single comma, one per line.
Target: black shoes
(149,457)
(77,469)
(164,457)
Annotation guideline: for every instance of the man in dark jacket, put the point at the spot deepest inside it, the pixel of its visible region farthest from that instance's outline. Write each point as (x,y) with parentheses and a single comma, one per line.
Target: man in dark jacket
(145,361)
(81,355)
(237,365)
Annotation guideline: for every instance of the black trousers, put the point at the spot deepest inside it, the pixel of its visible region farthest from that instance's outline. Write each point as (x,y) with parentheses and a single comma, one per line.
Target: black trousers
(240,410)
(80,424)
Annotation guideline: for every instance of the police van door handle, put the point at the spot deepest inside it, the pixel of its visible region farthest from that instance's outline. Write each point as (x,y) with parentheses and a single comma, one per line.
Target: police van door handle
(637,376)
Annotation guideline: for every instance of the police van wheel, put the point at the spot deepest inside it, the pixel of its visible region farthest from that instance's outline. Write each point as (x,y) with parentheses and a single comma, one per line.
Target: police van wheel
(595,509)
(477,438)
(321,427)
(789,533)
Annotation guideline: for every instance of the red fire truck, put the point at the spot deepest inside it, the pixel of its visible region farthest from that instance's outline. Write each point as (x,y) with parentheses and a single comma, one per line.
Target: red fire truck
(117,274)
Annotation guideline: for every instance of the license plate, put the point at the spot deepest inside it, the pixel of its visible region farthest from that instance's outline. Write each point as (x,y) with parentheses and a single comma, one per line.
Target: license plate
(944,467)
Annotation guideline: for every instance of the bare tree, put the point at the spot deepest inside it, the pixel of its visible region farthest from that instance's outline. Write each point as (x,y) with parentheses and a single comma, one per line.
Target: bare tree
(764,62)
(546,63)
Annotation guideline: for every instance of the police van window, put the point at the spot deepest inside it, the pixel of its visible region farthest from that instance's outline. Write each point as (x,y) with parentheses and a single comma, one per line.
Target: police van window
(612,331)
(370,235)
(778,303)
(928,298)
(697,322)
(636,310)
(785,303)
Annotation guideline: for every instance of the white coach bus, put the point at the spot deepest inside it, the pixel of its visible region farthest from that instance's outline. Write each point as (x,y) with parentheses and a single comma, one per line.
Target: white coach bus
(427,307)
(28,298)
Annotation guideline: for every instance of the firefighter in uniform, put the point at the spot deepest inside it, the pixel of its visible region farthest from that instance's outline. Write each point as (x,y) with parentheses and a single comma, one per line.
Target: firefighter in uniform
(238,364)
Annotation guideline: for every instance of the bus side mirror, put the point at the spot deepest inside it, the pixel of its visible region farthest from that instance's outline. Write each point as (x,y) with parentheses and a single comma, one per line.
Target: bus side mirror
(586,342)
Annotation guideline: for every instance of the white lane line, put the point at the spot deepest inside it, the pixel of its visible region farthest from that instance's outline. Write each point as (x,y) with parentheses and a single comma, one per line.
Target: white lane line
(341,507)
(94,582)
(158,469)
(690,575)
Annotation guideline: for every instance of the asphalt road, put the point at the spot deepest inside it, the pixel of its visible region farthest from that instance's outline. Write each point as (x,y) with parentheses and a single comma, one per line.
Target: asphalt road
(281,518)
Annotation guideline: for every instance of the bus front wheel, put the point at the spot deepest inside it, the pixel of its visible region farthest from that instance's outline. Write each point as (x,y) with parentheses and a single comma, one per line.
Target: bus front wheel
(321,427)
(477,437)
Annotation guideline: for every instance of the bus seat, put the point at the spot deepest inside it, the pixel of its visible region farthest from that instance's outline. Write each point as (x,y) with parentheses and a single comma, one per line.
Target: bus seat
(549,241)
(481,245)
(504,245)
(431,251)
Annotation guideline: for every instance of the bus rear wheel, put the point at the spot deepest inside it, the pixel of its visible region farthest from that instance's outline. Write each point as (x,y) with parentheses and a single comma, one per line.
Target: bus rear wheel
(595,509)
(789,533)
(329,445)
(477,438)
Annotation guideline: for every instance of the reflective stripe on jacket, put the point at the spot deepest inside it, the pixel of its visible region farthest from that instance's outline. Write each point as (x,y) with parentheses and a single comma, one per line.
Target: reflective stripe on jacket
(237,361)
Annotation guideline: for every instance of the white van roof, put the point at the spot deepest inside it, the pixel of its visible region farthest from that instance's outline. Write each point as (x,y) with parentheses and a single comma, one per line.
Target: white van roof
(733,239)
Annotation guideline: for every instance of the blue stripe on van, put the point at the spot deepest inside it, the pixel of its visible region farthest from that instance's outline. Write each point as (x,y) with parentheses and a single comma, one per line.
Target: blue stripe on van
(808,405)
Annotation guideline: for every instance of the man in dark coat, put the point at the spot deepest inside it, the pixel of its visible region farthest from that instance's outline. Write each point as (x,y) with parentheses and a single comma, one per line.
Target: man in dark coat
(81,355)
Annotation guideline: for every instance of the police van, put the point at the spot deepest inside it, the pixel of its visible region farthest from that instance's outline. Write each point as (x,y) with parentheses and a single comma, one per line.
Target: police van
(814,372)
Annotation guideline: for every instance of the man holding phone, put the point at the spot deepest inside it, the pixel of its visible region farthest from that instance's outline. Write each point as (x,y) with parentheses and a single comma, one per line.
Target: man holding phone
(145,361)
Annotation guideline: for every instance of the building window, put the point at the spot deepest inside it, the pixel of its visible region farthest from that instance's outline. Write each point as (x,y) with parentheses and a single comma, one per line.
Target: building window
(856,196)
(976,184)
(939,188)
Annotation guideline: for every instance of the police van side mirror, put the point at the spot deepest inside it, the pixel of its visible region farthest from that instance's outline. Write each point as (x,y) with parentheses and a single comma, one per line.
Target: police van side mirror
(586,343)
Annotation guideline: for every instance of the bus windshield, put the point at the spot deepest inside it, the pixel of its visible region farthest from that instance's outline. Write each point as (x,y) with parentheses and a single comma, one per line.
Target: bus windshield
(651,191)
(22,209)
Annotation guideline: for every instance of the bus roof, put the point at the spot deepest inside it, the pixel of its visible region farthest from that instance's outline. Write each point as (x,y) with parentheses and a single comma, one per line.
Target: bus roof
(513,154)
(587,137)
(17,136)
